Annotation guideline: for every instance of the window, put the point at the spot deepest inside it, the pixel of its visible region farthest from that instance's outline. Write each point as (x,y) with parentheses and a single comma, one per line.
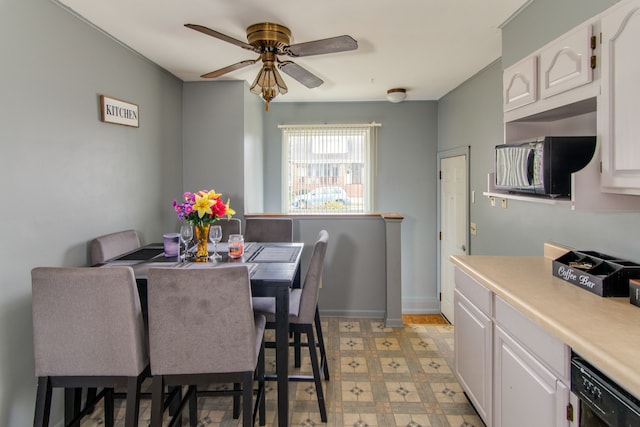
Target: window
(328,168)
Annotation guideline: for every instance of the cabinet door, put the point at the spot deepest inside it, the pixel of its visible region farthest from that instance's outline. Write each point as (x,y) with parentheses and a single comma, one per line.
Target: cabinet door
(566,63)
(526,393)
(618,122)
(473,353)
(519,83)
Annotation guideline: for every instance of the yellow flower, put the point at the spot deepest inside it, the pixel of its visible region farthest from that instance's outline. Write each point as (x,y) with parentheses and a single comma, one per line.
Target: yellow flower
(213,195)
(229,210)
(203,205)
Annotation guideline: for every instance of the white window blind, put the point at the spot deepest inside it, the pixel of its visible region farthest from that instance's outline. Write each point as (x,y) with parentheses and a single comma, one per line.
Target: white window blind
(328,168)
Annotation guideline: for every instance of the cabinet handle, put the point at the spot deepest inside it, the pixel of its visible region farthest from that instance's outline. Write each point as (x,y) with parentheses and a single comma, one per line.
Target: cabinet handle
(463,247)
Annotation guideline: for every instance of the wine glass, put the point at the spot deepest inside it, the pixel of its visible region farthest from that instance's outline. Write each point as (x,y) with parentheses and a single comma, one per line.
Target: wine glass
(215,234)
(186,234)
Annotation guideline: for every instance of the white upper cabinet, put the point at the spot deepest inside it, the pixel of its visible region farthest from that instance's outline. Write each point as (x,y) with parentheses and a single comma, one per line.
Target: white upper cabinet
(619,108)
(559,74)
(520,83)
(566,63)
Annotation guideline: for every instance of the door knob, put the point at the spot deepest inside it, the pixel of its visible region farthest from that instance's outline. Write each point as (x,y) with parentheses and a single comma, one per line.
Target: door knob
(463,247)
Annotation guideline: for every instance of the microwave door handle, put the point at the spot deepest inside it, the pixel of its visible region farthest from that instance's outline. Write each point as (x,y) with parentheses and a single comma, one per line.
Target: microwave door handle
(530,159)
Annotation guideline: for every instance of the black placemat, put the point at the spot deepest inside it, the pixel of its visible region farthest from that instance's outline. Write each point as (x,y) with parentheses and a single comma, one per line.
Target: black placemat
(142,254)
(275,254)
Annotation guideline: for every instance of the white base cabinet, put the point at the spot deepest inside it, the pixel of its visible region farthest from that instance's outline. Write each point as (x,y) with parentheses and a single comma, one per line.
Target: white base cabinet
(514,372)
(472,352)
(527,394)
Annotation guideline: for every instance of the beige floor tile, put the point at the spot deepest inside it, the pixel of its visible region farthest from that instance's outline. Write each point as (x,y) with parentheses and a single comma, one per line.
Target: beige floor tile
(351,344)
(387,344)
(354,365)
(411,420)
(394,365)
(350,327)
(380,377)
(434,365)
(402,392)
(356,391)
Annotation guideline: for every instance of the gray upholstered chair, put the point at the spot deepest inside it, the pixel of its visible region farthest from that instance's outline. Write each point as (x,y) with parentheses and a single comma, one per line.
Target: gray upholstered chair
(88,332)
(111,245)
(229,226)
(304,314)
(268,230)
(202,329)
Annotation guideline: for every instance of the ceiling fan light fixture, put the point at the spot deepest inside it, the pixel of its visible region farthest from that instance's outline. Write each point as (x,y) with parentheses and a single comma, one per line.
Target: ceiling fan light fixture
(396,95)
(268,84)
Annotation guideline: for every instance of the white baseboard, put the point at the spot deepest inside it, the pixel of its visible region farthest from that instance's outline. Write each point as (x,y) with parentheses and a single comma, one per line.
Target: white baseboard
(354,314)
(420,305)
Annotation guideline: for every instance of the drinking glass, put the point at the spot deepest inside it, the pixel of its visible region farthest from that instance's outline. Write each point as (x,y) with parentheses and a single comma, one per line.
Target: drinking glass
(186,234)
(215,234)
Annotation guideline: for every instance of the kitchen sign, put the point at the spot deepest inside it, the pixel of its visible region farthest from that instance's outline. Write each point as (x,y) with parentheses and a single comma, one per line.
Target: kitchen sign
(118,112)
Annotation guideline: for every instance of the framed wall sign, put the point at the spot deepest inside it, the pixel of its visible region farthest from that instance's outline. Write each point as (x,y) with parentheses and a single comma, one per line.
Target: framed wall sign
(119,112)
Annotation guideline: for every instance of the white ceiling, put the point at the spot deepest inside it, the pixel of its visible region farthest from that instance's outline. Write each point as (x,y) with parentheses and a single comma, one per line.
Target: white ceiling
(426,46)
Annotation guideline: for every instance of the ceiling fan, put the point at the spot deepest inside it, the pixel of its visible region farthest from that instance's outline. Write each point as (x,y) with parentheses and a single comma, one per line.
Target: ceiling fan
(271,40)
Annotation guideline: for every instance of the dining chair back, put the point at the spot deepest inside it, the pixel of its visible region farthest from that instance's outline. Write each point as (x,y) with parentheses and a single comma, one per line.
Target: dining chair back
(111,245)
(229,226)
(303,316)
(202,329)
(88,331)
(268,230)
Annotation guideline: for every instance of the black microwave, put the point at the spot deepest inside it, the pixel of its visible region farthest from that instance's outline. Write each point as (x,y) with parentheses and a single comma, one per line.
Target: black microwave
(542,166)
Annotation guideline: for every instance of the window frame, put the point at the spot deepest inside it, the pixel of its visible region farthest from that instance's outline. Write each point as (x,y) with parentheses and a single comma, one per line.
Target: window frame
(366,174)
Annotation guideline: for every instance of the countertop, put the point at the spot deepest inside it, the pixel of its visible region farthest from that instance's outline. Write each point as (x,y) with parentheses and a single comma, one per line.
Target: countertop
(604,331)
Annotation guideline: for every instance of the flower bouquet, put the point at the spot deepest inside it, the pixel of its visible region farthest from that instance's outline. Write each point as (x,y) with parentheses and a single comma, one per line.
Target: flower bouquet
(202,209)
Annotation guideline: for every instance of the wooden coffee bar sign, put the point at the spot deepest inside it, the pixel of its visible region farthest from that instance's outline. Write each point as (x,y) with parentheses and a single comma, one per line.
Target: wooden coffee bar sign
(119,112)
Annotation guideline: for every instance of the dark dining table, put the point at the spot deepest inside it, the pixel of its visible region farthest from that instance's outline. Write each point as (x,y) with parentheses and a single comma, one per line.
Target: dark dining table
(274,269)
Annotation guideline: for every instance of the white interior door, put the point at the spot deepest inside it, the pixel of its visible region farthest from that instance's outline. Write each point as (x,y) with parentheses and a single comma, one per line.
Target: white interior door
(453,224)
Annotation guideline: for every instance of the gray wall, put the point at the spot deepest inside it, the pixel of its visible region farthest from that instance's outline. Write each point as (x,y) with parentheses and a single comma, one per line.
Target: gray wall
(213,139)
(406,183)
(253,152)
(523,227)
(66,176)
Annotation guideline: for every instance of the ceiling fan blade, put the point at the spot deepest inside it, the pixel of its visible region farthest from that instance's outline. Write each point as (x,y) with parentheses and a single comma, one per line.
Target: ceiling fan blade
(319,47)
(228,69)
(300,74)
(224,37)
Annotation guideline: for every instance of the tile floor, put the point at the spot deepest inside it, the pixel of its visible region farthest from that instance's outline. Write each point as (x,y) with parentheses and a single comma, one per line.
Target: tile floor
(380,377)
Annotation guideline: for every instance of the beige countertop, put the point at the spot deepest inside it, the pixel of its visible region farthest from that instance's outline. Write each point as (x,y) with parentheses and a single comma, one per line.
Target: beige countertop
(605,331)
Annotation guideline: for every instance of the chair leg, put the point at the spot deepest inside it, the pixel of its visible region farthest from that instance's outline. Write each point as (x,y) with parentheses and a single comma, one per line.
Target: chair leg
(316,371)
(193,405)
(236,401)
(109,407)
(157,400)
(72,405)
(323,352)
(43,403)
(261,390)
(174,405)
(92,392)
(247,400)
(133,402)
(297,347)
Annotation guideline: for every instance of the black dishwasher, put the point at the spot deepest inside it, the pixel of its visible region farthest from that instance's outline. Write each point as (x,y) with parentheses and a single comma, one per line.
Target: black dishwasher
(602,401)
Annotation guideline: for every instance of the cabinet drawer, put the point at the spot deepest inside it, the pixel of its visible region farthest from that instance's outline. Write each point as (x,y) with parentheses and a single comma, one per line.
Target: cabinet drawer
(474,292)
(547,348)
